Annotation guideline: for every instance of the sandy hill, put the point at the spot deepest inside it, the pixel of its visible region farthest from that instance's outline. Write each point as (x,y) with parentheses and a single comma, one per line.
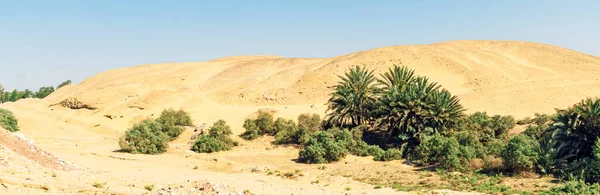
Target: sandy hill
(499,77)
(503,77)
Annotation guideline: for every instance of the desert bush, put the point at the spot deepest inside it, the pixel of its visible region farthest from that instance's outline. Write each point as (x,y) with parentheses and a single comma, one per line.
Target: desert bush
(520,153)
(172,120)
(488,128)
(445,152)
(539,124)
(495,147)
(178,118)
(218,139)
(252,132)
(309,122)
(145,137)
(263,124)
(322,148)
(389,155)
(8,121)
(574,187)
(287,131)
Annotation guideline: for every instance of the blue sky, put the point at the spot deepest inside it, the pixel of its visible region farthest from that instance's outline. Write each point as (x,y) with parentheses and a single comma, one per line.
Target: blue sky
(46,42)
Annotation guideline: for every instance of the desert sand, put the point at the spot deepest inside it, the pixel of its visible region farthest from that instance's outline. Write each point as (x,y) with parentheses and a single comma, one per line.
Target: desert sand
(498,77)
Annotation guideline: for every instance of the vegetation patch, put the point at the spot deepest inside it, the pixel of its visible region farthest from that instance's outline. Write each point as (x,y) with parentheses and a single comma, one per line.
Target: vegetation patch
(8,121)
(217,140)
(173,120)
(152,136)
(263,124)
(145,137)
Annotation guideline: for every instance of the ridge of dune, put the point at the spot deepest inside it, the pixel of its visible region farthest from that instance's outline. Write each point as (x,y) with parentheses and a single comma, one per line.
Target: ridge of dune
(501,77)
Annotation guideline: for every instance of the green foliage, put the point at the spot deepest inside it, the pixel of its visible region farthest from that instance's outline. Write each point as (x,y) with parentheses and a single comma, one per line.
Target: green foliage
(445,152)
(389,155)
(263,124)
(177,118)
(309,122)
(495,147)
(17,95)
(252,132)
(43,92)
(520,153)
(67,82)
(218,139)
(352,141)
(488,128)
(539,124)
(8,121)
(322,148)
(353,98)
(408,105)
(576,129)
(574,187)
(172,120)
(287,131)
(146,137)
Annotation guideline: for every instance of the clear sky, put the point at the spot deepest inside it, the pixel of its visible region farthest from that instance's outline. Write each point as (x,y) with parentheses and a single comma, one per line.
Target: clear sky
(46,42)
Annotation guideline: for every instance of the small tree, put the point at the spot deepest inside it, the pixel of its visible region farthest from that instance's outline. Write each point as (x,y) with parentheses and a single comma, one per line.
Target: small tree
(263,124)
(8,121)
(218,139)
(44,91)
(65,83)
(309,122)
(322,148)
(287,131)
(1,93)
(520,153)
(172,120)
(146,137)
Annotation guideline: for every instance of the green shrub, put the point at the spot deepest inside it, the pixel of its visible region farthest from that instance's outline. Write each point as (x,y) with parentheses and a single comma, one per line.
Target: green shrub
(322,148)
(252,132)
(486,127)
(574,187)
(218,139)
(264,121)
(287,131)
(208,144)
(145,137)
(172,120)
(352,141)
(538,126)
(389,155)
(495,147)
(263,124)
(8,121)
(172,131)
(471,142)
(520,153)
(178,118)
(445,152)
(309,122)
(501,125)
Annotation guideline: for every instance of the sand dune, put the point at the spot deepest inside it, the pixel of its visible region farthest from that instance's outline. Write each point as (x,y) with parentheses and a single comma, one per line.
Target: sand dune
(499,77)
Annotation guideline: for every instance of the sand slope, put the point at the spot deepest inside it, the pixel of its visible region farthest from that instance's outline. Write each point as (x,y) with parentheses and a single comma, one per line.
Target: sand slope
(517,78)
(499,77)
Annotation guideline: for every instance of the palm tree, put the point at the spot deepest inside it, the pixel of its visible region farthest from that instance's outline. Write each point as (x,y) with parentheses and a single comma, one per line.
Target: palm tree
(352,99)
(576,129)
(396,77)
(409,105)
